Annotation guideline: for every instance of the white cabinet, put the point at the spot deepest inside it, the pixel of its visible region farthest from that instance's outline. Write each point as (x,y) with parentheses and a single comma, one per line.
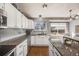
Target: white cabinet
(39,40)
(11,15)
(23,21)
(26,23)
(15,19)
(30,24)
(33,40)
(25,48)
(19,19)
(21,49)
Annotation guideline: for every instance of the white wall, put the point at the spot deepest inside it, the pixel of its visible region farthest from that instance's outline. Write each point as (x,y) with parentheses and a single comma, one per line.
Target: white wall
(72,26)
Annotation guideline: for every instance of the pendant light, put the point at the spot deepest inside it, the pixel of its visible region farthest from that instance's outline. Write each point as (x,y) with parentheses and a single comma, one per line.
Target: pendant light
(44,5)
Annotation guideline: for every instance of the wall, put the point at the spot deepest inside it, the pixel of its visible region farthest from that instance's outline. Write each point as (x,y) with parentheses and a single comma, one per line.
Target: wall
(8,33)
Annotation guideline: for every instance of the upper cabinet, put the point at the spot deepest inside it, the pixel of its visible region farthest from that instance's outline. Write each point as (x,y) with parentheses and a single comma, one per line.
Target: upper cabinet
(19,19)
(27,23)
(30,24)
(15,19)
(11,15)
(24,21)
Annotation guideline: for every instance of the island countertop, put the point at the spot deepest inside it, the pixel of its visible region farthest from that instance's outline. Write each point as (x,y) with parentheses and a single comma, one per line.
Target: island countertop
(66,50)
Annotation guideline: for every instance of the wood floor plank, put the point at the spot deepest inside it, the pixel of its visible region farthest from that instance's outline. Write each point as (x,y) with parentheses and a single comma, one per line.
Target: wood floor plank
(38,51)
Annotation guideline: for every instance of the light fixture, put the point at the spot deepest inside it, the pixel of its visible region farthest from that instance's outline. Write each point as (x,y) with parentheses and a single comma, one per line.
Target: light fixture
(76,16)
(73,16)
(44,5)
(70,11)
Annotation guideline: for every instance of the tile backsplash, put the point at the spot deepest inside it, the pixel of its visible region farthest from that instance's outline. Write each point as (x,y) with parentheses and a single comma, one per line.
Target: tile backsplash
(8,32)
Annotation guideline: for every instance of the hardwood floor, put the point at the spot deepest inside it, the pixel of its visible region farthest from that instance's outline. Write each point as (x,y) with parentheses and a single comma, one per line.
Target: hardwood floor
(38,51)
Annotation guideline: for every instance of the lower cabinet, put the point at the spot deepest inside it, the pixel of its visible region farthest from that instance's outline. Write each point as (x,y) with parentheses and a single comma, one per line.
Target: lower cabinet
(21,49)
(39,40)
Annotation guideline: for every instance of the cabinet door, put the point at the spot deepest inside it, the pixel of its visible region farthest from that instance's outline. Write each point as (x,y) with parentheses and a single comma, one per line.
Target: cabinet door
(11,15)
(25,48)
(19,19)
(33,40)
(29,24)
(19,51)
(41,40)
(33,24)
(23,21)
(38,40)
(26,23)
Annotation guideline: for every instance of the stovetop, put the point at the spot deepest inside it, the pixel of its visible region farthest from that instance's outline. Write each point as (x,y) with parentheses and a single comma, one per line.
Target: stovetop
(4,49)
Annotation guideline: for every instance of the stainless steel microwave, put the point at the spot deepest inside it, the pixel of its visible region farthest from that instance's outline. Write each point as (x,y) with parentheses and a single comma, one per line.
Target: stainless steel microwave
(3,18)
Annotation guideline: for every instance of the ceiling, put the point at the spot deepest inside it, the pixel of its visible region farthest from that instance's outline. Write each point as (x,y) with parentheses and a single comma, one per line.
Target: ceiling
(52,10)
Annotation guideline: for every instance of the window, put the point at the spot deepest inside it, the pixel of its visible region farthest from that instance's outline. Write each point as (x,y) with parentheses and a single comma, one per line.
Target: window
(58,28)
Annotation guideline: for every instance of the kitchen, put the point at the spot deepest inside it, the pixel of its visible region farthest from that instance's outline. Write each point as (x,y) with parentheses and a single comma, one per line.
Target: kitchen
(39,29)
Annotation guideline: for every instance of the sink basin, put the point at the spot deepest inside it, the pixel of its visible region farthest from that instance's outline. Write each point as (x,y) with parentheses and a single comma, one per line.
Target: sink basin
(4,49)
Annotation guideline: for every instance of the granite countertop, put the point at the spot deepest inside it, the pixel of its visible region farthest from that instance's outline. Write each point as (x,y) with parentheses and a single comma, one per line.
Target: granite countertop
(7,46)
(68,50)
(14,41)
